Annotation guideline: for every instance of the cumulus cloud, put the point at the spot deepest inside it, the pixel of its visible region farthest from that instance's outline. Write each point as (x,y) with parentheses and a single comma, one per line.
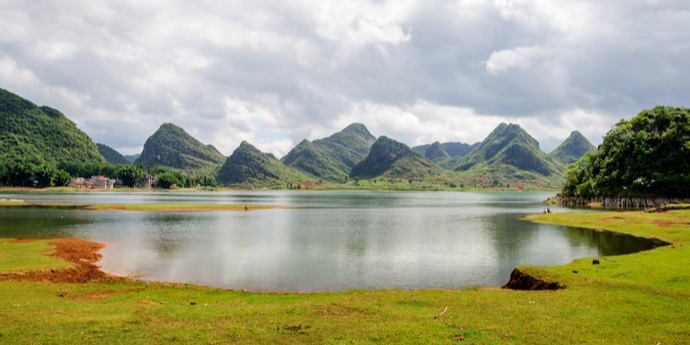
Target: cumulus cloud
(275,72)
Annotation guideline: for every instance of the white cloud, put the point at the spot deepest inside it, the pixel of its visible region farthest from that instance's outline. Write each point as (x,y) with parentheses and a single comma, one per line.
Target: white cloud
(275,72)
(519,58)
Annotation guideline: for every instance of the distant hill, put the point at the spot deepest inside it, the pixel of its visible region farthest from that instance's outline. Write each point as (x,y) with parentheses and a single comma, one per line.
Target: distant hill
(41,134)
(171,146)
(389,158)
(572,149)
(332,158)
(132,158)
(111,155)
(249,166)
(511,153)
(453,149)
(436,152)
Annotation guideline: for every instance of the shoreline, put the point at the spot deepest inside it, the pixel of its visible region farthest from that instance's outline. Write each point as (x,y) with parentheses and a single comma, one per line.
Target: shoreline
(642,296)
(152,207)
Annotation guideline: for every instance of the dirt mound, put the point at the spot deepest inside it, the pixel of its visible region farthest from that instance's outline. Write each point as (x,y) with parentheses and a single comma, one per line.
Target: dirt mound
(522,281)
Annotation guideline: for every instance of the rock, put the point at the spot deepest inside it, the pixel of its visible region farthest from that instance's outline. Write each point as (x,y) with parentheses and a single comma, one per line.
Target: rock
(595,262)
(192,303)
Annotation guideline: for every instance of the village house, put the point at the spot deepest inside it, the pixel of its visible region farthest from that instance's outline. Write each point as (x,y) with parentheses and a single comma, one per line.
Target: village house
(95,182)
(148,181)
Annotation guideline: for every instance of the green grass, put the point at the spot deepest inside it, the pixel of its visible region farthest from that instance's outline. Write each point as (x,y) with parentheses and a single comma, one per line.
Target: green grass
(16,257)
(642,298)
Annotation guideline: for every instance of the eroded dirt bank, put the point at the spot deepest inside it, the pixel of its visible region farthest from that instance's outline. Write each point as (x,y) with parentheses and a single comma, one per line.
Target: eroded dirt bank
(81,253)
(523,281)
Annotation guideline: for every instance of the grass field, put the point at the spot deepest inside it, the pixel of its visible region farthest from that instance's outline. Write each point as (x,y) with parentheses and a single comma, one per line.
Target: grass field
(21,256)
(642,298)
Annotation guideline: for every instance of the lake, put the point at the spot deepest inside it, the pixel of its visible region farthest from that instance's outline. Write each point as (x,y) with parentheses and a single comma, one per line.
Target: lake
(335,241)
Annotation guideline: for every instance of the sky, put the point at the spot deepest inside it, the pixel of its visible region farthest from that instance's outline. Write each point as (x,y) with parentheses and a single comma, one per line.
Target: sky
(276,72)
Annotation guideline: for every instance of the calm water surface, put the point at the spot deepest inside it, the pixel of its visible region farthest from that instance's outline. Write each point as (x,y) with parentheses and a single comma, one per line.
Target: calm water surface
(339,241)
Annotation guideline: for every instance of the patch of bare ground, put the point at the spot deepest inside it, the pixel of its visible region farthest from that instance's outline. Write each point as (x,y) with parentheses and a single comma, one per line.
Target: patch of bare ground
(81,253)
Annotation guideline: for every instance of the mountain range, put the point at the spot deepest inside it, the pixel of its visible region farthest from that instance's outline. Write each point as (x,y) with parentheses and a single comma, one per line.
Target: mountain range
(391,159)
(43,134)
(334,157)
(511,153)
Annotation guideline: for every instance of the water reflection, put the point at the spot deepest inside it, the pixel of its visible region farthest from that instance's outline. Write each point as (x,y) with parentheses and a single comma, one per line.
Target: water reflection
(342,241)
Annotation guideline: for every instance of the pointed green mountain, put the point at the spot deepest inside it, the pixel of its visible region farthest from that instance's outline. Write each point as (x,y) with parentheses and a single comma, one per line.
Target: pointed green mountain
(332,158)
(171,146)
(572,149)
(392,159)
(453,149)
(249,166)
(436,152)
(511,153)
(41,134)
(111,155)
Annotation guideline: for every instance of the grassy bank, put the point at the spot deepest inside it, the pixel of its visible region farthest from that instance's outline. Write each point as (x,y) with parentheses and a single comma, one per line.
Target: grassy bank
(641,298)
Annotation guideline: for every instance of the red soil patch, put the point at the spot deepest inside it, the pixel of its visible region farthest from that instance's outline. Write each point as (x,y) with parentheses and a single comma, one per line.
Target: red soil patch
(83,254)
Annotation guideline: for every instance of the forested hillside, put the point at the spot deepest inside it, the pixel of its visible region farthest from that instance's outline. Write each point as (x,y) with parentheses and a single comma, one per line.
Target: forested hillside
(648,155)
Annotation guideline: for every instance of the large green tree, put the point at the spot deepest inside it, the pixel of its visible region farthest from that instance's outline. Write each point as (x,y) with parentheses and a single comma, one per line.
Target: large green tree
(648,155)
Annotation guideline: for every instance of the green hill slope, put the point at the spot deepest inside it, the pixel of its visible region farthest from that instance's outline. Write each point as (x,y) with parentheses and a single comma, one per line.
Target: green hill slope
(436,152)
(111,155)
(249,166)
(572,149)
(171,146)
(511,153)
(332,158)
(41,134)
(392,159)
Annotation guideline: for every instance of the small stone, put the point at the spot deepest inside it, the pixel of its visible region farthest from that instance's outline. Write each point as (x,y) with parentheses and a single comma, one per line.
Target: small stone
(576,272)
(595,262)
(192,303)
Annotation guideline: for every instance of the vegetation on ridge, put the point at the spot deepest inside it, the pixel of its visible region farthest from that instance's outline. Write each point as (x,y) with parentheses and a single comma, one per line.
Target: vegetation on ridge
(572,149)
(250,167)
(332,158)
(391,159)
(648,155)
(40,135)
(512,154)
(172,147)
(111,155)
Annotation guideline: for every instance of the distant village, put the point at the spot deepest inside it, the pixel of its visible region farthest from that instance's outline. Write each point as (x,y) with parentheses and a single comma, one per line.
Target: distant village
(104,183)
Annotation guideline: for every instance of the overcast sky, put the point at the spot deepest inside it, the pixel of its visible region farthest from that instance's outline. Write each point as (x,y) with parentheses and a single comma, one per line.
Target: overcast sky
(275,72)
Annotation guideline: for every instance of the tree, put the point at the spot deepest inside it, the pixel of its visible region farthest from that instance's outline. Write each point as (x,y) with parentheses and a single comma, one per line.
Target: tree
(170,180)
(130,174)
(648,155)
(20,173)
(48,175)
